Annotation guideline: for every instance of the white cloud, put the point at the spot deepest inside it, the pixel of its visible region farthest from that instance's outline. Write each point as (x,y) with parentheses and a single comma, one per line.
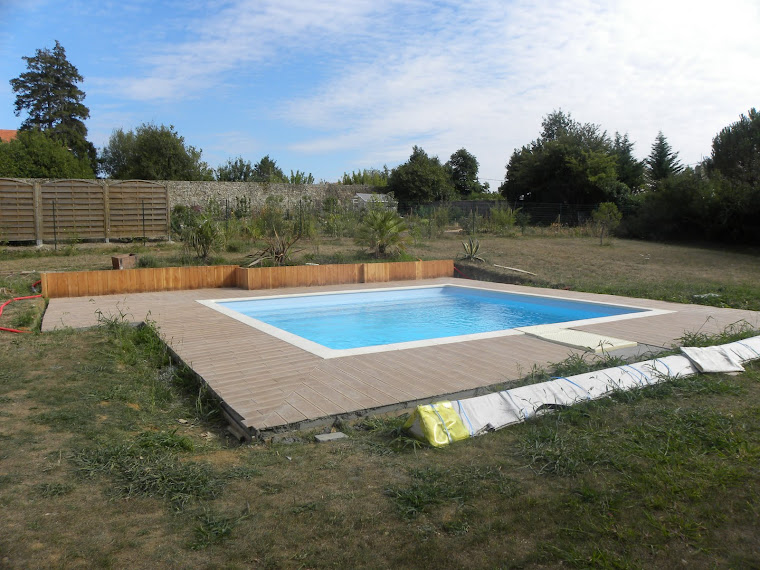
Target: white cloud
(242,34)
(480,75)
(486,79)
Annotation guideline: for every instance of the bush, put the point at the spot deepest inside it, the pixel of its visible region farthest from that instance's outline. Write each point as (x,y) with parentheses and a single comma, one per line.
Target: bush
(382,231)
(200,235)
(502,219)
(181,217)
(337,220)
(271,218)
(607,217)
(147,261)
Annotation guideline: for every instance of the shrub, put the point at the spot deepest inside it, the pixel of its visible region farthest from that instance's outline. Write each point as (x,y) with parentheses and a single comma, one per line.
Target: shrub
(382,231)
(440,219)
(607,217)
(337,220)
(502,219)
(200,235)
(278,249)
(271,219)
(147,261)
(181,217)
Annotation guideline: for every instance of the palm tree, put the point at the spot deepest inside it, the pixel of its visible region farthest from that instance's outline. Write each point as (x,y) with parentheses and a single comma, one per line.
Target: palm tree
(382,231)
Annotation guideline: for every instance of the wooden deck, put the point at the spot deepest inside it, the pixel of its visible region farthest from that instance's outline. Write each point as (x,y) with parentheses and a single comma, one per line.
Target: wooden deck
(268,384)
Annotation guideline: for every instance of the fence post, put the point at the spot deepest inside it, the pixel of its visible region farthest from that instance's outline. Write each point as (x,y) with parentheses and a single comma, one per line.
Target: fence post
(168,214)
(55,227)
(106,213)
(38,219)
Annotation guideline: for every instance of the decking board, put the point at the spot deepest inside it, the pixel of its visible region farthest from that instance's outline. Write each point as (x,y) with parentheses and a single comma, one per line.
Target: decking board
(273,385)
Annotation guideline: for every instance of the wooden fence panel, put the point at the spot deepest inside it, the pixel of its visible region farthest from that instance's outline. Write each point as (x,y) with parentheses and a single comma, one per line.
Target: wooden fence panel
(16,210)
(72,209)
(138,208)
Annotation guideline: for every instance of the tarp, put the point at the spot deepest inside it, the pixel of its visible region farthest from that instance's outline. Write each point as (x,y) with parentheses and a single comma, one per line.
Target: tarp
(444,422)
(712,359)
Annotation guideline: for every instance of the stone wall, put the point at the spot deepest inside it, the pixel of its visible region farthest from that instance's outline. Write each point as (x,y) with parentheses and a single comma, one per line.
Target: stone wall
(199,193)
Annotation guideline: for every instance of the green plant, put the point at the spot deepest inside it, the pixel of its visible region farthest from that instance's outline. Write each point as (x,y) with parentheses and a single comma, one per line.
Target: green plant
(213,528)
(164,440)
(50,490)
(502,219)
(382,231)
(148,261)
(271,218)
(337,220)
(305,222)
(440,219)
(200,234)
(25,317)
(522,219)
(472,222)
(607,218)
(471,249)
(278,249)
(181,217)
(432,486)
(242,207)
(229,230)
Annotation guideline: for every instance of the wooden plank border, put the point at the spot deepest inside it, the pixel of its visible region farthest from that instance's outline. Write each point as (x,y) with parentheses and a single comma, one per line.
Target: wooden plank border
(91,283)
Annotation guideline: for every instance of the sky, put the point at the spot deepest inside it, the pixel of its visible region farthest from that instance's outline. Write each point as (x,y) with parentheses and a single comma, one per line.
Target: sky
(333,87)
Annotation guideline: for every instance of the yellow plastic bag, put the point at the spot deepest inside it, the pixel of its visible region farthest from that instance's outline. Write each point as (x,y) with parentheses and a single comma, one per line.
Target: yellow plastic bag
(438,424)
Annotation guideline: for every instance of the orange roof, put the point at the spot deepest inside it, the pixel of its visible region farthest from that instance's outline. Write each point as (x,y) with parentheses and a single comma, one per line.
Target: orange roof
(7,135)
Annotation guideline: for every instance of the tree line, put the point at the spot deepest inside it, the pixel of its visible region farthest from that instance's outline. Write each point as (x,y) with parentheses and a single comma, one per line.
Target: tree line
(574,163)
(52,140)
(568,163)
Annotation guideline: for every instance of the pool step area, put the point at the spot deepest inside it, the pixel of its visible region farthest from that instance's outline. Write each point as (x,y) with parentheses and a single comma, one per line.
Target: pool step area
(596,343)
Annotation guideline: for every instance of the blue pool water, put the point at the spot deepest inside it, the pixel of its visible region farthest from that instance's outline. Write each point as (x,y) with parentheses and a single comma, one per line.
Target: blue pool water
(362,319)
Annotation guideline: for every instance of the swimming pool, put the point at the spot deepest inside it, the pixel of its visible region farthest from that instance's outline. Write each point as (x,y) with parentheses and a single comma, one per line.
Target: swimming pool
(357,322)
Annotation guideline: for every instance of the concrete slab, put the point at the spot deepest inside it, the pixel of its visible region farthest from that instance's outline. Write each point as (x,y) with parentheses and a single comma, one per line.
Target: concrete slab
(328,437)
(585,340)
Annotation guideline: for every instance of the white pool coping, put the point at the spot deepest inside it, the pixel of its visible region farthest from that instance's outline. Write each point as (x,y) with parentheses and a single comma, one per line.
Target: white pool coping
(328,353)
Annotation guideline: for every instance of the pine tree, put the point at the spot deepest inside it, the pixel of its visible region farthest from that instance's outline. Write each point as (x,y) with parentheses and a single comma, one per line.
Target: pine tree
(662,162)
(49,94)
(630,171)
(736,151)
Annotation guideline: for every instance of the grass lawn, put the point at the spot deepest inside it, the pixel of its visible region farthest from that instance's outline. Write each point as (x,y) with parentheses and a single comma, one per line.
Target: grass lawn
(112,457)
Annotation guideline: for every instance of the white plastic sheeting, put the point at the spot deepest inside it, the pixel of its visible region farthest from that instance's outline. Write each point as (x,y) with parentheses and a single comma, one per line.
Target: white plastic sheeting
(500,409)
